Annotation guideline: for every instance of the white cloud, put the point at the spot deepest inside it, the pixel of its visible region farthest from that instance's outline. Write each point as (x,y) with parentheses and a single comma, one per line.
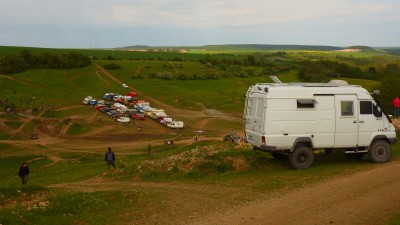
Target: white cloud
(180,13)
(242,13)
(212,21)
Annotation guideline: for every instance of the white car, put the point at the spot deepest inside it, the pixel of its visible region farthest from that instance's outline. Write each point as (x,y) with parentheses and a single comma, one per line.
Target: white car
(86,100)
(175,124)
(123,119)
(125,85)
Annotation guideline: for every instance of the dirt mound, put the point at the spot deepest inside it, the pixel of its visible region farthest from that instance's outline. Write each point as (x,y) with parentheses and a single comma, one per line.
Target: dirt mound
(204,159)
(396,123)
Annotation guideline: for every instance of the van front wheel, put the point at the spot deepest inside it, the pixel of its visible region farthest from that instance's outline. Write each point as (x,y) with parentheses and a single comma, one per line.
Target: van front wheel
(301,158)
(379,151)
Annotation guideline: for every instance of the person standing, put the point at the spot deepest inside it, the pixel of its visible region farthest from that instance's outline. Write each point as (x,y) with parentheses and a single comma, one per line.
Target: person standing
(396,105)
(24,173)
(110,158)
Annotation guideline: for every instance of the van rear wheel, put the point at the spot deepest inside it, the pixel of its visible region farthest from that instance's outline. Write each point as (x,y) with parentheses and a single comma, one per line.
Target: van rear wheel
(301,158)
(379,151)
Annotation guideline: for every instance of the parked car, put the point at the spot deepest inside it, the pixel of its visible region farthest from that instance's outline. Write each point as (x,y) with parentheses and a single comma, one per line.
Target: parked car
(175,124)
(116,98)
(166,121)
(86,100)
(105,109)
(109,96)
(123,119)
(99,107)
(111,113)
(139,116)
(92,102)
(132,94)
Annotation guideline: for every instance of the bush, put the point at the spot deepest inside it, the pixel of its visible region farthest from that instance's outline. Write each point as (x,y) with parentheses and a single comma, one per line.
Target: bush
(164,75)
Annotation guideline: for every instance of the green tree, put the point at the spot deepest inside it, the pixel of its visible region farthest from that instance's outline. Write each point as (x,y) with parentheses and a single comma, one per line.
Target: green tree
(313,72)
(251,60)
(390,84)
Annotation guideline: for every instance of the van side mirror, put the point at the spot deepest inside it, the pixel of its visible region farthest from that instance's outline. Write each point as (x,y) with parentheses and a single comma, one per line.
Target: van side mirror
(377,92)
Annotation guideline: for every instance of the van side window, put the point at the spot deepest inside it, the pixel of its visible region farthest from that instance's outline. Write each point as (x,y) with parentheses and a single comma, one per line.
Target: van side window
(347,108)
(365,107)
(377,111)
(260,108)
(253,105)
(305,103)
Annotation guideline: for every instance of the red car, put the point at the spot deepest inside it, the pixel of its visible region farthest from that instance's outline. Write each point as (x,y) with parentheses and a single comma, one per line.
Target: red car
(132,94)
(98,107)
(139,116)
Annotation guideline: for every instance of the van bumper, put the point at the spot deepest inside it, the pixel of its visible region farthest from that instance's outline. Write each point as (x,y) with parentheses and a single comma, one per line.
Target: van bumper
(393,141)
(268,148)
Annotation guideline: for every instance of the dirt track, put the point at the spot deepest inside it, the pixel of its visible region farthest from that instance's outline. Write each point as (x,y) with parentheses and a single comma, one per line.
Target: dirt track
(366,198)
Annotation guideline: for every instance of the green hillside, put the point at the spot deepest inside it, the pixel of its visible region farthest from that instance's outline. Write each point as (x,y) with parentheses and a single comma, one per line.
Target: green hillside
(187,80)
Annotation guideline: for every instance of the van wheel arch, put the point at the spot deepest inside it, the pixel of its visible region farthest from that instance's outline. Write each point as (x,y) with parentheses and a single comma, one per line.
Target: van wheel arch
(302,141)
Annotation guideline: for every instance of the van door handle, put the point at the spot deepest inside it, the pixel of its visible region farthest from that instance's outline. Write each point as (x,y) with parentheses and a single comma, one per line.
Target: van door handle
(354,121)
(361,121)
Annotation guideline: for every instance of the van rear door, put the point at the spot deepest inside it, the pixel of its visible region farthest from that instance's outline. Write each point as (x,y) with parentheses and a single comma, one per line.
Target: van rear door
(346,132)
(255,114)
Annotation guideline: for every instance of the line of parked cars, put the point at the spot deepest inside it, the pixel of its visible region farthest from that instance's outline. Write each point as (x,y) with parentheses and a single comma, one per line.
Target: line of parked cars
(123,108)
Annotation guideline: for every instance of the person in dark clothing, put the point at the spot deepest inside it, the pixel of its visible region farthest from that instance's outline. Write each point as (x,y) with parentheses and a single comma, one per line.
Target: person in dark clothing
(24,173)
(110,158)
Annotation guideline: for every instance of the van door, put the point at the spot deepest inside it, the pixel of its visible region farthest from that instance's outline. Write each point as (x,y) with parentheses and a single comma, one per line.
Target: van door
(370,122)
(346,132)
(255,114)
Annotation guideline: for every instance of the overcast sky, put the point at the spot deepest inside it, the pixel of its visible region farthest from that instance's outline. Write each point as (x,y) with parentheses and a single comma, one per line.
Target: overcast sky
(118,23)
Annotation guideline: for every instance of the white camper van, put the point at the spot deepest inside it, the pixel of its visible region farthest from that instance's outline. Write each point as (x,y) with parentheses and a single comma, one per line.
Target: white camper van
(292,119)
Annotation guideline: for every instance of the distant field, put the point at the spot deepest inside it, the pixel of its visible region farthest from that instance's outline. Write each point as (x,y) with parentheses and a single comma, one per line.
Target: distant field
(140,70)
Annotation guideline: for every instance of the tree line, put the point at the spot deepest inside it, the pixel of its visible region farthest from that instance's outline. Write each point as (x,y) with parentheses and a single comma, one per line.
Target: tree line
(26,60)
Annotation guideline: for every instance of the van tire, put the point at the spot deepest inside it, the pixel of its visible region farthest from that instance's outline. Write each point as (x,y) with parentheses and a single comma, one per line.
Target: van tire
(301,158)
(379,152)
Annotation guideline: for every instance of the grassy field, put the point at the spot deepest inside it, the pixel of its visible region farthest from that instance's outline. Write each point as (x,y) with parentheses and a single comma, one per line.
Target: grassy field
(71,185)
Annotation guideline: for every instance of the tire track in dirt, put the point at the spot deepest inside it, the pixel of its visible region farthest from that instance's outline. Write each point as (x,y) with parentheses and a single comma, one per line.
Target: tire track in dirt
(106,82)
(20,81)
(25,122)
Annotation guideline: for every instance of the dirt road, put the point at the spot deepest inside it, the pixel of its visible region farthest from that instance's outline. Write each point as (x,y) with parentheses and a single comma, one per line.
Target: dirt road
(366,198)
